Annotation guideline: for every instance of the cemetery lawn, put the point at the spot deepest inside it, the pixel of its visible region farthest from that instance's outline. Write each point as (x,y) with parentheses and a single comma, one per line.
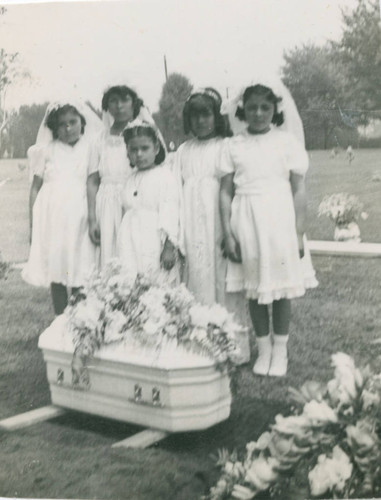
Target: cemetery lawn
(71,456)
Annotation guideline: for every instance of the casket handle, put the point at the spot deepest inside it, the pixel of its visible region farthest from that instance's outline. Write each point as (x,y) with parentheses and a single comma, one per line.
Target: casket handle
(138,397)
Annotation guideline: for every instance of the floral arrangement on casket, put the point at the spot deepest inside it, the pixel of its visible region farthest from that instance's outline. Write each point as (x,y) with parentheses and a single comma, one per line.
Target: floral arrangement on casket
(344,210)
(112,308)
(330,444)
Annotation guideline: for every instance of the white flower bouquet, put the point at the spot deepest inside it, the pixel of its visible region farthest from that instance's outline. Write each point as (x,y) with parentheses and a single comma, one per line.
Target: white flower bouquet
(332,440)
(342,208)
(113,308)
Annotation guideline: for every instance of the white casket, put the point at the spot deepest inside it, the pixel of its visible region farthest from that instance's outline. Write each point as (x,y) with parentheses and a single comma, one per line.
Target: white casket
(171,389)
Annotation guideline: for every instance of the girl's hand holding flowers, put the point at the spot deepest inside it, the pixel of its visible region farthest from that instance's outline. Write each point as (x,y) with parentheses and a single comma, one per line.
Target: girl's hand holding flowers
(94,232)
(168,256)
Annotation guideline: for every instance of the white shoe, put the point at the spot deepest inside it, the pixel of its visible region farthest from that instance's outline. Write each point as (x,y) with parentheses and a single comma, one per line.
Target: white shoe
(279,360)
(262,365)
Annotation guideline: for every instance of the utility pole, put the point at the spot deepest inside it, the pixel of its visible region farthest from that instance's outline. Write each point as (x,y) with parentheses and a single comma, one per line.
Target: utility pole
(165,68)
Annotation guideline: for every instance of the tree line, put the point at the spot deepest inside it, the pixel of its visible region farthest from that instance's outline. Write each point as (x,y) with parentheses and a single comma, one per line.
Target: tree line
(336,87)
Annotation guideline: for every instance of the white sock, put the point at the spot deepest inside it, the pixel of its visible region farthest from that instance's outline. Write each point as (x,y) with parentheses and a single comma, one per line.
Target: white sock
(279,361)
(262,364)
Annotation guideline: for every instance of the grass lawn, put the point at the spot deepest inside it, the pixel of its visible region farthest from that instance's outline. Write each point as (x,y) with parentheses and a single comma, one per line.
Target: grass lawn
(71,456)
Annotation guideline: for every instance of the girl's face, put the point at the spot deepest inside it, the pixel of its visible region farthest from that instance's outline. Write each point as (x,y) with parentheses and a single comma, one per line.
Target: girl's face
(259,113)
(121,109)
(142,151)
(202,122)
(69,128)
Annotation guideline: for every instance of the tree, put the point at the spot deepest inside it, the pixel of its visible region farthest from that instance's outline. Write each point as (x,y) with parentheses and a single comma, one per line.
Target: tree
(22,130)
(360,51)
(10,73)
(319,87)
(175,92)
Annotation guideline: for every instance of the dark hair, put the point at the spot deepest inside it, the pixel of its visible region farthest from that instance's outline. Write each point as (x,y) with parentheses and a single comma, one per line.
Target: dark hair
(269,95)
(146,131)
(122,91)
(213,101)
(53,117)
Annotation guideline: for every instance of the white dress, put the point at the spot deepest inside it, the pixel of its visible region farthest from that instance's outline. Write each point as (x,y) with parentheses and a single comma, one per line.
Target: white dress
(196,165)
(263,216)
(61,250)
(151,215)
(109,158)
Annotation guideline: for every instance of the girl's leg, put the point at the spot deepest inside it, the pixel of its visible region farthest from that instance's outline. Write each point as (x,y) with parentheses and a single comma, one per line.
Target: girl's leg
(59,297)
(259,314)
(281,324)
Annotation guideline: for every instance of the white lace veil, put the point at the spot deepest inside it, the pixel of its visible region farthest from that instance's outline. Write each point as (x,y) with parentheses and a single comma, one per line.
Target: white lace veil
(138,122)
(93,122)
(292,121)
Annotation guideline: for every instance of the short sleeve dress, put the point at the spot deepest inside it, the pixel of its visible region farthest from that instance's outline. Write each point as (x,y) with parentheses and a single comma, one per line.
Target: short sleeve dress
(109,158)
(61,250)
(263,216)
(151,215)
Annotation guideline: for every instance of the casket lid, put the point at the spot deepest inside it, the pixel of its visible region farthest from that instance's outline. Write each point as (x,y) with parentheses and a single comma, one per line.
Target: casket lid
(57,337)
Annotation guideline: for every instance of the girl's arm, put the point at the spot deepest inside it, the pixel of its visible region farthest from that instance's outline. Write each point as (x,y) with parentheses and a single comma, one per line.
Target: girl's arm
(34,190)
(226,195)
(300,204)
(93,182)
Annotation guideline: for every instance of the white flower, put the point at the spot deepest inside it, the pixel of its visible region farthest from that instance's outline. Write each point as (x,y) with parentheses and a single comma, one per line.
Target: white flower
(262,472)
(345,373)
(199,315)
(151,327)
(171,330)
(153,298)
(369,399)
(364,215)
(115,323)
(291,425)
(86,314)
(218,315)
(199,334)
(330,473)
(319,412)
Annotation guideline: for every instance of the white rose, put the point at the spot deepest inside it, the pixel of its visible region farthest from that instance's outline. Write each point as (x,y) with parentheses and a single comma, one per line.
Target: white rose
(330,473)
(199,334)
(218,315)
(291,425)
(262,472)
(319,412)
(150,327)
(318,478)
(199,315)
(87,313)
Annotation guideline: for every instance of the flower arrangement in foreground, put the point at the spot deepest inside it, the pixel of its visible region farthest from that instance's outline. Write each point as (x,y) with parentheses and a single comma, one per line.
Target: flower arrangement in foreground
(112,308)
(333,438)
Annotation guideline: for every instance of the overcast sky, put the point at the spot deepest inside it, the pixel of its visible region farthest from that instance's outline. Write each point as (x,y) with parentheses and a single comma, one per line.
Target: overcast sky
(220,43)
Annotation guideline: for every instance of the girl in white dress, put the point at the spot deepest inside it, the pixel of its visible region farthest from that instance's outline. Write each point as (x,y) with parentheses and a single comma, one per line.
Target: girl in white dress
(196,166)
(148,236)
(110,169)
(263,207)
(61,254)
